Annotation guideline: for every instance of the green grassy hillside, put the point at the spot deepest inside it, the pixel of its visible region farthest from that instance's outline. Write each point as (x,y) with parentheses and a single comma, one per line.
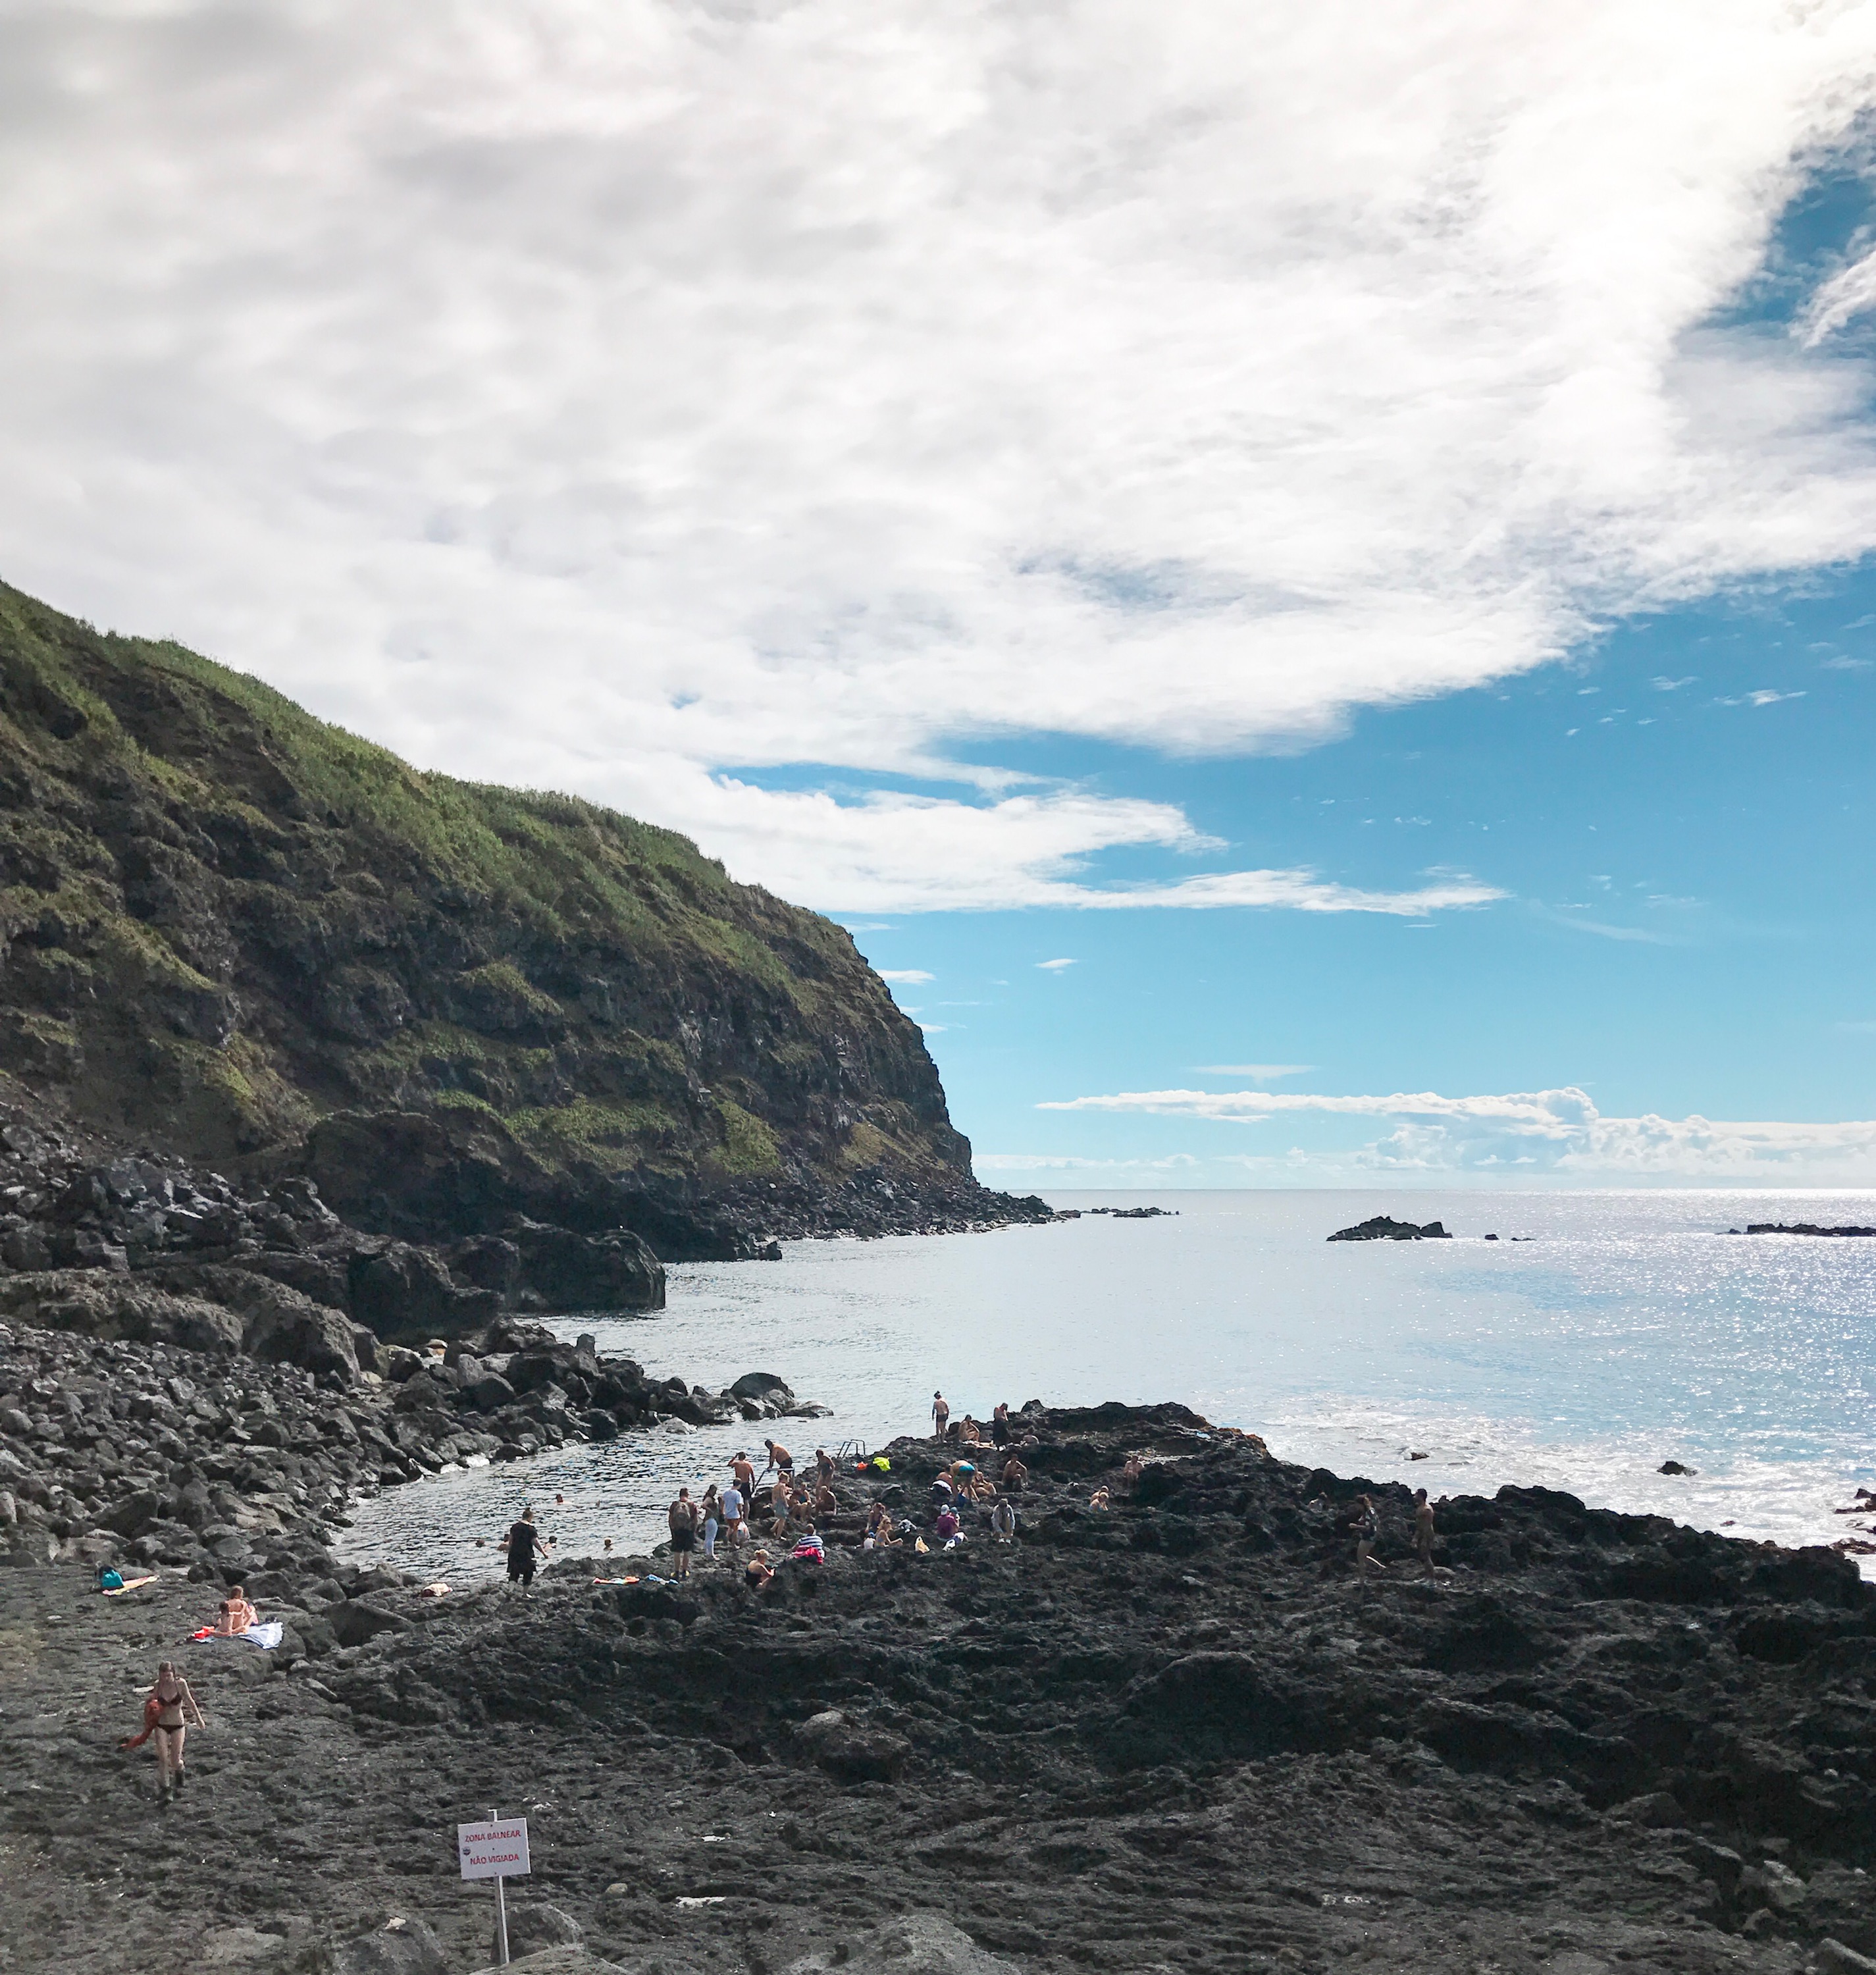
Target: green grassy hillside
(224,920)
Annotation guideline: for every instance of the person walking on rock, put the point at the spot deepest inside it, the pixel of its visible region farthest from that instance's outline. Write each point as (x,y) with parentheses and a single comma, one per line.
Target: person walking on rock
(175,1706)
(682,1517)
(1367,1527)
(520,1542)
(941,1415)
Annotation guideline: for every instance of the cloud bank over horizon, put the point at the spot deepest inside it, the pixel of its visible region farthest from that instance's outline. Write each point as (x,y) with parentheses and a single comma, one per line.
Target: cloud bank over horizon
(1533,1135)
(646,398)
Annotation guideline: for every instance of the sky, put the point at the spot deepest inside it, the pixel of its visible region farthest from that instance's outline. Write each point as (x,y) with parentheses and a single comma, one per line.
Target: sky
(1301,577)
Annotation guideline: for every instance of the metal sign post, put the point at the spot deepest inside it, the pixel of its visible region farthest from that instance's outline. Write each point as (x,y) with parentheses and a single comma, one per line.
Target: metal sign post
(493,1851)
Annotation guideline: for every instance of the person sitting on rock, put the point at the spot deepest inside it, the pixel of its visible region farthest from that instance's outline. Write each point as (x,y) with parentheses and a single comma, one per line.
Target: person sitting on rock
(879,1534)
(969,1432)
(826,1502)
(235,1614)
(1003,1521)
(1014,1475)
(809,1548)
(1099,1498)
(1132,1469)
(757,1573)
(946,1527)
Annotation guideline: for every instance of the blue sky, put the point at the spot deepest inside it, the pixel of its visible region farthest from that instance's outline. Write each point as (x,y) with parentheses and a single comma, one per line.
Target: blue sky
(1353,530)
(1681,815)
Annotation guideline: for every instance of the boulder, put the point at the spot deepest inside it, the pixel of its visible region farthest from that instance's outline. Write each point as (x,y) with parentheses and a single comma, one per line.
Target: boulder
(119,1309)
(403,1946)
(404,1292)
(485,1262)
(534,1925)
(355,1621)
(570,1271)
(914,1944)
(760,1385)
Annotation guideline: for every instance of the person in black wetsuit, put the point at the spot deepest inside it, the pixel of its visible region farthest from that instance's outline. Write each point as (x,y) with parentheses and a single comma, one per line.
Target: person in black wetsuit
(519,1542)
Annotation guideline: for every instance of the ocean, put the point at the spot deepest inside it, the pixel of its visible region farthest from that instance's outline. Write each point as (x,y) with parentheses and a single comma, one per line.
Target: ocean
(1600,1335)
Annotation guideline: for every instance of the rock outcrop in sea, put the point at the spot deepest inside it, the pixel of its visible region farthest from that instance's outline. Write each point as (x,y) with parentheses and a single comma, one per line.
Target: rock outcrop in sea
(1380,1227)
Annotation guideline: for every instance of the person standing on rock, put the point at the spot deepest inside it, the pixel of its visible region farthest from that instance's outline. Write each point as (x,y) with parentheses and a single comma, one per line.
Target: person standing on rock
(735,1530)
(941,1415)
(710,1509)
(1423,1534)
(519,1542)
(999,1423)
(682,1517)
(781,1460)
(175,1705)
(743,1473)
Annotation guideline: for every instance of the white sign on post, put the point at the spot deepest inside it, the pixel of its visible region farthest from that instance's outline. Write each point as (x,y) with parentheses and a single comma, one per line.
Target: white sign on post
(497,1850)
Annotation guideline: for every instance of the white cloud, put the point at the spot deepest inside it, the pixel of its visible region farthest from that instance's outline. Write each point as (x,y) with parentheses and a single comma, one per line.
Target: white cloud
(1673,684)
(1055,966)
(1535,1132)
(907,976)
(1764,696)
(626,395)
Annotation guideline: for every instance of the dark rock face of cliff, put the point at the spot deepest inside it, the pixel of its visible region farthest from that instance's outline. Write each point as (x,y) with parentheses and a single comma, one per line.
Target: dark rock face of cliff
(233,933)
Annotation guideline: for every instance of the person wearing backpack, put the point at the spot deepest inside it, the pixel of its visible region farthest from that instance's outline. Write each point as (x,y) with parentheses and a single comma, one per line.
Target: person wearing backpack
(682,1517)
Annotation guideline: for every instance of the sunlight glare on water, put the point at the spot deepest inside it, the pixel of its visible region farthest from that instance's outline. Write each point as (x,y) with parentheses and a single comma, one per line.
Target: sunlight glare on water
(1626,1329)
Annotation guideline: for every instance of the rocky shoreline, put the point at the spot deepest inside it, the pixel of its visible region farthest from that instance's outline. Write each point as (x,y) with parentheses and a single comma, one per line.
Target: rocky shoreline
(1172,1732)
(155,1453)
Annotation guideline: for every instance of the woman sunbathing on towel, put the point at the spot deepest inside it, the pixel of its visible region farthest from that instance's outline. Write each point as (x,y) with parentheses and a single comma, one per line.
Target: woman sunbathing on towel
(236,1614)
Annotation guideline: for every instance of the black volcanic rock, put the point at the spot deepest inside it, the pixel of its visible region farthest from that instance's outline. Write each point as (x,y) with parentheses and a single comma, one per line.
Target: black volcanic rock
(1380,1229)
(1172,1732)
(1805,1227)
